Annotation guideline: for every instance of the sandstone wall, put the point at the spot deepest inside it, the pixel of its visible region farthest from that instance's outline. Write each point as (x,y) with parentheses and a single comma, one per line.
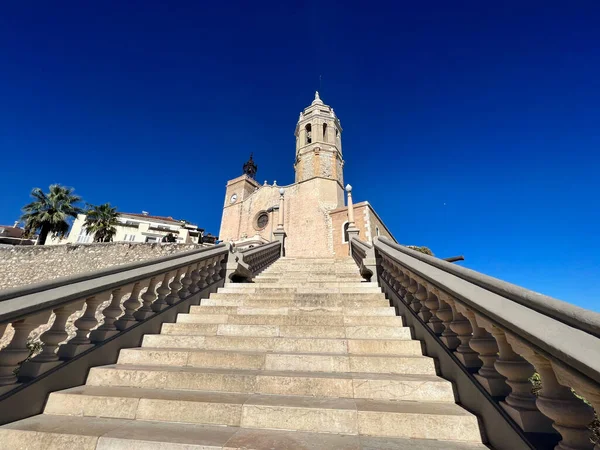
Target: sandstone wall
(339,217)
(32,264)
(306,216)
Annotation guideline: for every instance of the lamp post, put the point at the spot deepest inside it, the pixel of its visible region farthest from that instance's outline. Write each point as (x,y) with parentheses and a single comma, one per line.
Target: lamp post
(352,230)
(280,221)
(279,232)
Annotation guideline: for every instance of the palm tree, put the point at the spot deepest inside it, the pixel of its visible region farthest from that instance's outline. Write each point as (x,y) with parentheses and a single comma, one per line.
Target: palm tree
(101,220)
(49,213)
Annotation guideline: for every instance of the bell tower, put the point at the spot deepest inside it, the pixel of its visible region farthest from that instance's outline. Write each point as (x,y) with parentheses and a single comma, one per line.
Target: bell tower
(319,144)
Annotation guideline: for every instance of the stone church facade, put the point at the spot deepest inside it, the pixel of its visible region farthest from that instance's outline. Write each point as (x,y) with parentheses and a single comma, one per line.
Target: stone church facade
(315,215)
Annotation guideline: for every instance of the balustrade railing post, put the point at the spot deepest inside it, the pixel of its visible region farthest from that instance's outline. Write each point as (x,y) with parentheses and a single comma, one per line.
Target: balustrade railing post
(111,313)
(162,291)
(195,278)
(520,402)
(215,270)
(130,306)
(16,351)
(486,348)
(174,287)
(432,303)
(186,282)
(570,415)
(50,339)
(585,387)
(445,314)
(148,297)
(461,326)
(81,341)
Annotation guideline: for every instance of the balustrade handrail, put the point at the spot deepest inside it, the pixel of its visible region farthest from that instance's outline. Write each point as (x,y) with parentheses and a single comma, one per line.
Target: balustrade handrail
(19,291)
(564,340)
(571,315)
(22,302)
(260,248)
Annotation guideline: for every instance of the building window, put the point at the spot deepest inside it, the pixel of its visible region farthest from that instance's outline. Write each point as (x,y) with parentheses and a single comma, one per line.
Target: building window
(84,237)
(262,220)
(308,129)
(377,231)
(345,232)
(324,132)
(129,237)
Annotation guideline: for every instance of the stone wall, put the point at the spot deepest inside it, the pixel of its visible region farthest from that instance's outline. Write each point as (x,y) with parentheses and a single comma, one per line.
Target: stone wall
(306,216)
(31,264)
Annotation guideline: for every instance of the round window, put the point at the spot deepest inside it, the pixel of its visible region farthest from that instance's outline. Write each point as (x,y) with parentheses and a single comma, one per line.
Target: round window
(262,220)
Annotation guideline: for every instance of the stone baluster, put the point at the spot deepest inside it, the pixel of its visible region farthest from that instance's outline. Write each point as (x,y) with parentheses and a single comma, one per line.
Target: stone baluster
(422,296)
(394,276)
(194,287)
(186,282)
(404,281)
(16,351)
(203,282)
(585,387)
(51,338)
(217,275)
(148,298)
(131,305)
(571,416)
(111,313)
(432,303)
(445,314)
(211,271)
(385,272)
(484,344)
(175,286)
(162,291)
(461,326)
(81,342)
(520,402)
(411,300)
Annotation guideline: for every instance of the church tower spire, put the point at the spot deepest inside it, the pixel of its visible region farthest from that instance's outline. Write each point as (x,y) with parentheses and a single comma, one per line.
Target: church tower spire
(319,143)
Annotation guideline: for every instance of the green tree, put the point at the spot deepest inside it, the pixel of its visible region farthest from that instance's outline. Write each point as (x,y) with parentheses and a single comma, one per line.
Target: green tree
(101,220)
(49,212)
(421,249)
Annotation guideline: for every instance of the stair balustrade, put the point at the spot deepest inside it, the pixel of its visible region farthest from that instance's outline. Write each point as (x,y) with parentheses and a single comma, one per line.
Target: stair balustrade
(131,293)
(500,335)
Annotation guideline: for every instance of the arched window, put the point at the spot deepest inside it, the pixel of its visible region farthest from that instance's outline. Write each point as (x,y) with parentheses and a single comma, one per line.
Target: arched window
(377,231)
(345,236)
(308,129)
(324,132)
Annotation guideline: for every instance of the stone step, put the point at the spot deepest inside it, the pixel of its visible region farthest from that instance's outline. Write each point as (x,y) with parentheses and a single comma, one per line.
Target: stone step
(294,295)
(299,288)
(285,282)
(307,310)
(411,363)
(301,276)
(302,331)
(258,411)
(317,384)
(265,319)
(241,300)
(283,344)
(54,432)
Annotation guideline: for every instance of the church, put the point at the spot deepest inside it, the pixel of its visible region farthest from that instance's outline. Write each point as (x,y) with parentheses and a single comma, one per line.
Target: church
(315,216)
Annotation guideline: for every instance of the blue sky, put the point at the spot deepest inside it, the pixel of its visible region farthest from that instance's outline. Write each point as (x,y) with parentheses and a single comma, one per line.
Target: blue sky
(471,127)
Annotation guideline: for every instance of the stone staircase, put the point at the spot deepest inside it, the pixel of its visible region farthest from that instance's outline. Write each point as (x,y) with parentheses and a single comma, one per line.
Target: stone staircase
(306,357)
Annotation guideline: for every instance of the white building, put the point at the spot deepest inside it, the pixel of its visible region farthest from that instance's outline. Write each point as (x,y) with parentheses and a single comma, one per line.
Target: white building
(135,227)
